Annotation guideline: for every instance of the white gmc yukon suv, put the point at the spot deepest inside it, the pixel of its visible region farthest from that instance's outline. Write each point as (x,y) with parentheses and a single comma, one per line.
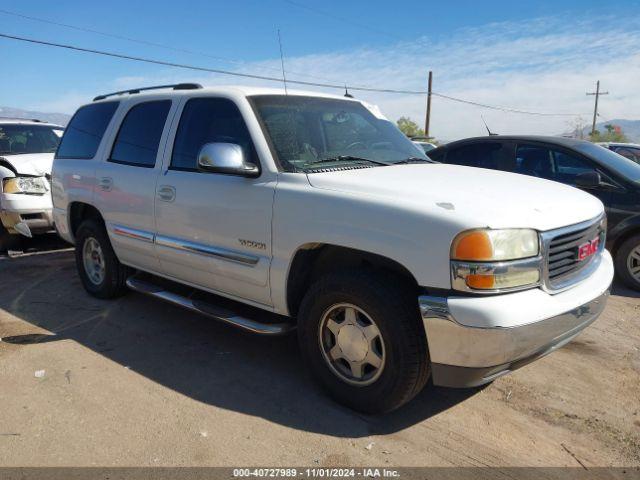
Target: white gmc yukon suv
(271,211)
(26,155)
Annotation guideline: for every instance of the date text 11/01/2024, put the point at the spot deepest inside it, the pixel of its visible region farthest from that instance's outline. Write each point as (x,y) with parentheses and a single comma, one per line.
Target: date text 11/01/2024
(316,472)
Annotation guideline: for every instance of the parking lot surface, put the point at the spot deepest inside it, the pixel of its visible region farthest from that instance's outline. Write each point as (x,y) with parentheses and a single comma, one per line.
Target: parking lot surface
(136,382)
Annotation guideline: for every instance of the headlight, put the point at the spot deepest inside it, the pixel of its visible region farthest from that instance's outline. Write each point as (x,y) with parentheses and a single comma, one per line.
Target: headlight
(487,245)
(495,260)
(28,185)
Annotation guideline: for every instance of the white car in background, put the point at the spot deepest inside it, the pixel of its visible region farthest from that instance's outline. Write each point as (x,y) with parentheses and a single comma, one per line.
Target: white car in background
(424,144)
(628,150)
(26,155)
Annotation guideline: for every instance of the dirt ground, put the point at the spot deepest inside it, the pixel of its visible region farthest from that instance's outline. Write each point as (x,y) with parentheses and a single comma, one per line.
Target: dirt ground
(135,382)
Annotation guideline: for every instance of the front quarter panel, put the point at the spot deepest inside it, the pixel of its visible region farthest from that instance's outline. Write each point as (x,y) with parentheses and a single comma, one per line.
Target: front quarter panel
(623,212)
(405,233)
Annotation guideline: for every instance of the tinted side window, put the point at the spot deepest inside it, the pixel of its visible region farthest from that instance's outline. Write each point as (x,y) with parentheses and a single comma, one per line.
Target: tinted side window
(535,161)
(568,167)
(84,133)
(139,136)
(209,120)
(540,161)
(493,155)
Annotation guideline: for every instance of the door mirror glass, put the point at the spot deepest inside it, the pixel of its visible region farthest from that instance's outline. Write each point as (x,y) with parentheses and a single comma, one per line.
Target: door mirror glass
(588,180)
(226,158)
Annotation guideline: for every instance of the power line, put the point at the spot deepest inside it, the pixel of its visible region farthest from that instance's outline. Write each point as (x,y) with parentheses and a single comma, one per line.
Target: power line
(274,79)
(504,109)
(205,69)
(149,43)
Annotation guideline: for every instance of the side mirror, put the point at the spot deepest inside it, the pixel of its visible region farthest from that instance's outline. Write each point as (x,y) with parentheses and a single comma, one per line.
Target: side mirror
(588,180)
(225,158)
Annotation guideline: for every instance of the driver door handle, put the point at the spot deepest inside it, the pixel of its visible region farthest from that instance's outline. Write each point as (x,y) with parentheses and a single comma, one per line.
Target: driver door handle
(167,193)
(106,183)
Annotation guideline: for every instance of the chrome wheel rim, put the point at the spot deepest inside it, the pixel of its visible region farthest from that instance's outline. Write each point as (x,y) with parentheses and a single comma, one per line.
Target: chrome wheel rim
(93,260)
(351,344)
(633,263)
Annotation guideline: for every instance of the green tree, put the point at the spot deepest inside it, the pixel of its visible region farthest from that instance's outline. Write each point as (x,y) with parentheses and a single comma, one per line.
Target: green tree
(409,127)
(613,134)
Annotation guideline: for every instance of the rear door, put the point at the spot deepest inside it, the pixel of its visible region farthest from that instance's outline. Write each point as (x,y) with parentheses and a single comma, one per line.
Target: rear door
(214,230)
(494,155)
(126,180)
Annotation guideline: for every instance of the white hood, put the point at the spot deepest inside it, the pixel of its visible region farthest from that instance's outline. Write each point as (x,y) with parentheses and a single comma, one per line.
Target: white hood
(473,196)
(38,164)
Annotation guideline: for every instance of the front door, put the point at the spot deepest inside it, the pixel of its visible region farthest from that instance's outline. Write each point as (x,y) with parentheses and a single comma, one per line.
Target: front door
(126,182)
(214,230)
(560,165)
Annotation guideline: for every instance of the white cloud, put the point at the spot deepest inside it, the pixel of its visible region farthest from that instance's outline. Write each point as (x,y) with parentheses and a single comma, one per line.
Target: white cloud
(544,65)
(66,103)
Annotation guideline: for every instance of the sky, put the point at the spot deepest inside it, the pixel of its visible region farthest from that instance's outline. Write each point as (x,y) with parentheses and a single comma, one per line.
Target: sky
(540,56)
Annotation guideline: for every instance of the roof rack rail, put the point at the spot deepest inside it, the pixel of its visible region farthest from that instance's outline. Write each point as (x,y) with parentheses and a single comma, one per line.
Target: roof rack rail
(176,86)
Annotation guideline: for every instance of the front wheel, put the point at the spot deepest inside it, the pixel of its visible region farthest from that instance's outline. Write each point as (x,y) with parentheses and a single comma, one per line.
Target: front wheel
(628,262)
(8,241)
(101,272)
(362,337)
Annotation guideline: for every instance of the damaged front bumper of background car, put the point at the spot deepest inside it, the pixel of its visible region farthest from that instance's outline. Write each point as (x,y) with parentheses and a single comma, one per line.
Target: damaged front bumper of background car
(25,205)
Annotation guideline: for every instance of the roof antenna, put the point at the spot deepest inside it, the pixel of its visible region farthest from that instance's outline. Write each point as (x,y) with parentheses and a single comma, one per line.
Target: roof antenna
(284,77)
(346,92)
(487,127)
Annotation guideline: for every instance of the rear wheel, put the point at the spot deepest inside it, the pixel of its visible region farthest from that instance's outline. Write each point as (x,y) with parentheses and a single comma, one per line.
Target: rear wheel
(362,337)
(101,272)
(628,262)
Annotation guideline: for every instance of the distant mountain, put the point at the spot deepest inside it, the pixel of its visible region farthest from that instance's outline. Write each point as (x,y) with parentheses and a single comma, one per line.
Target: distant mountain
(58,118)
(631,128)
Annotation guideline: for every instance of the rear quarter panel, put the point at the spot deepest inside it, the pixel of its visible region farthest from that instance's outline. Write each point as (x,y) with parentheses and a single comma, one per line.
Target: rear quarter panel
(74,180)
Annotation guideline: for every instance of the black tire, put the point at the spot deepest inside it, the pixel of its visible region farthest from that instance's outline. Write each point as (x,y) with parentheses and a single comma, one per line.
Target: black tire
(622,261)
(395,312)
(8,241)
(115,274)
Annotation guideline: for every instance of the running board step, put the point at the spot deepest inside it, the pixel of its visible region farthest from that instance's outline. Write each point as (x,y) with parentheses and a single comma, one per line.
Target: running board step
(208,309)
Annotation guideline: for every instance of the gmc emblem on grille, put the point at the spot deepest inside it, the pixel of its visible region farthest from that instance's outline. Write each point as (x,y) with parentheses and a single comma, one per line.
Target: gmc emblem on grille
(587,249)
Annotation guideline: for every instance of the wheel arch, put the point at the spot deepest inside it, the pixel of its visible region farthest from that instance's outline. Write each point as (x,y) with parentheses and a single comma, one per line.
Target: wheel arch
(312,260)
(624,232)
(79,212)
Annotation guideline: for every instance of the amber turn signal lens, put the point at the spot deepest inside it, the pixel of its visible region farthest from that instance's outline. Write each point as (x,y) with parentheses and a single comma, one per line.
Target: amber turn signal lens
(481,282)
(473,246)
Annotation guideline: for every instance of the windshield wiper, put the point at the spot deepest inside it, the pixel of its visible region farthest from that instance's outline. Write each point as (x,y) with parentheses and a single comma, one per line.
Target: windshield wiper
(348,158)
(412,160)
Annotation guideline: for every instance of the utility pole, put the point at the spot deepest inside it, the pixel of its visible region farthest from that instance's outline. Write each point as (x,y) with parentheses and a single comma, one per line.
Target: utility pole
(597,93)
(428,118)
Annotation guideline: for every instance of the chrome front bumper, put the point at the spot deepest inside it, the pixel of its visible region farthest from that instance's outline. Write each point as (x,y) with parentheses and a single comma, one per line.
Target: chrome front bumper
(510,330)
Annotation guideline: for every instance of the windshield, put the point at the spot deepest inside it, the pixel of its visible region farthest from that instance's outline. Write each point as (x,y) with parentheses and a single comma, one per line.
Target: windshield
(310,133)
(17,139)
(619,164)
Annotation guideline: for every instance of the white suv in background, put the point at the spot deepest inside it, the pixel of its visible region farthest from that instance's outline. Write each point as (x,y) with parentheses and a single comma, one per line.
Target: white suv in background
(314,211)
(27,148)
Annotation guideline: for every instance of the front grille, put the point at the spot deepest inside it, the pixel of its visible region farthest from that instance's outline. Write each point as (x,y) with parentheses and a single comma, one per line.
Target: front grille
(563,267)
